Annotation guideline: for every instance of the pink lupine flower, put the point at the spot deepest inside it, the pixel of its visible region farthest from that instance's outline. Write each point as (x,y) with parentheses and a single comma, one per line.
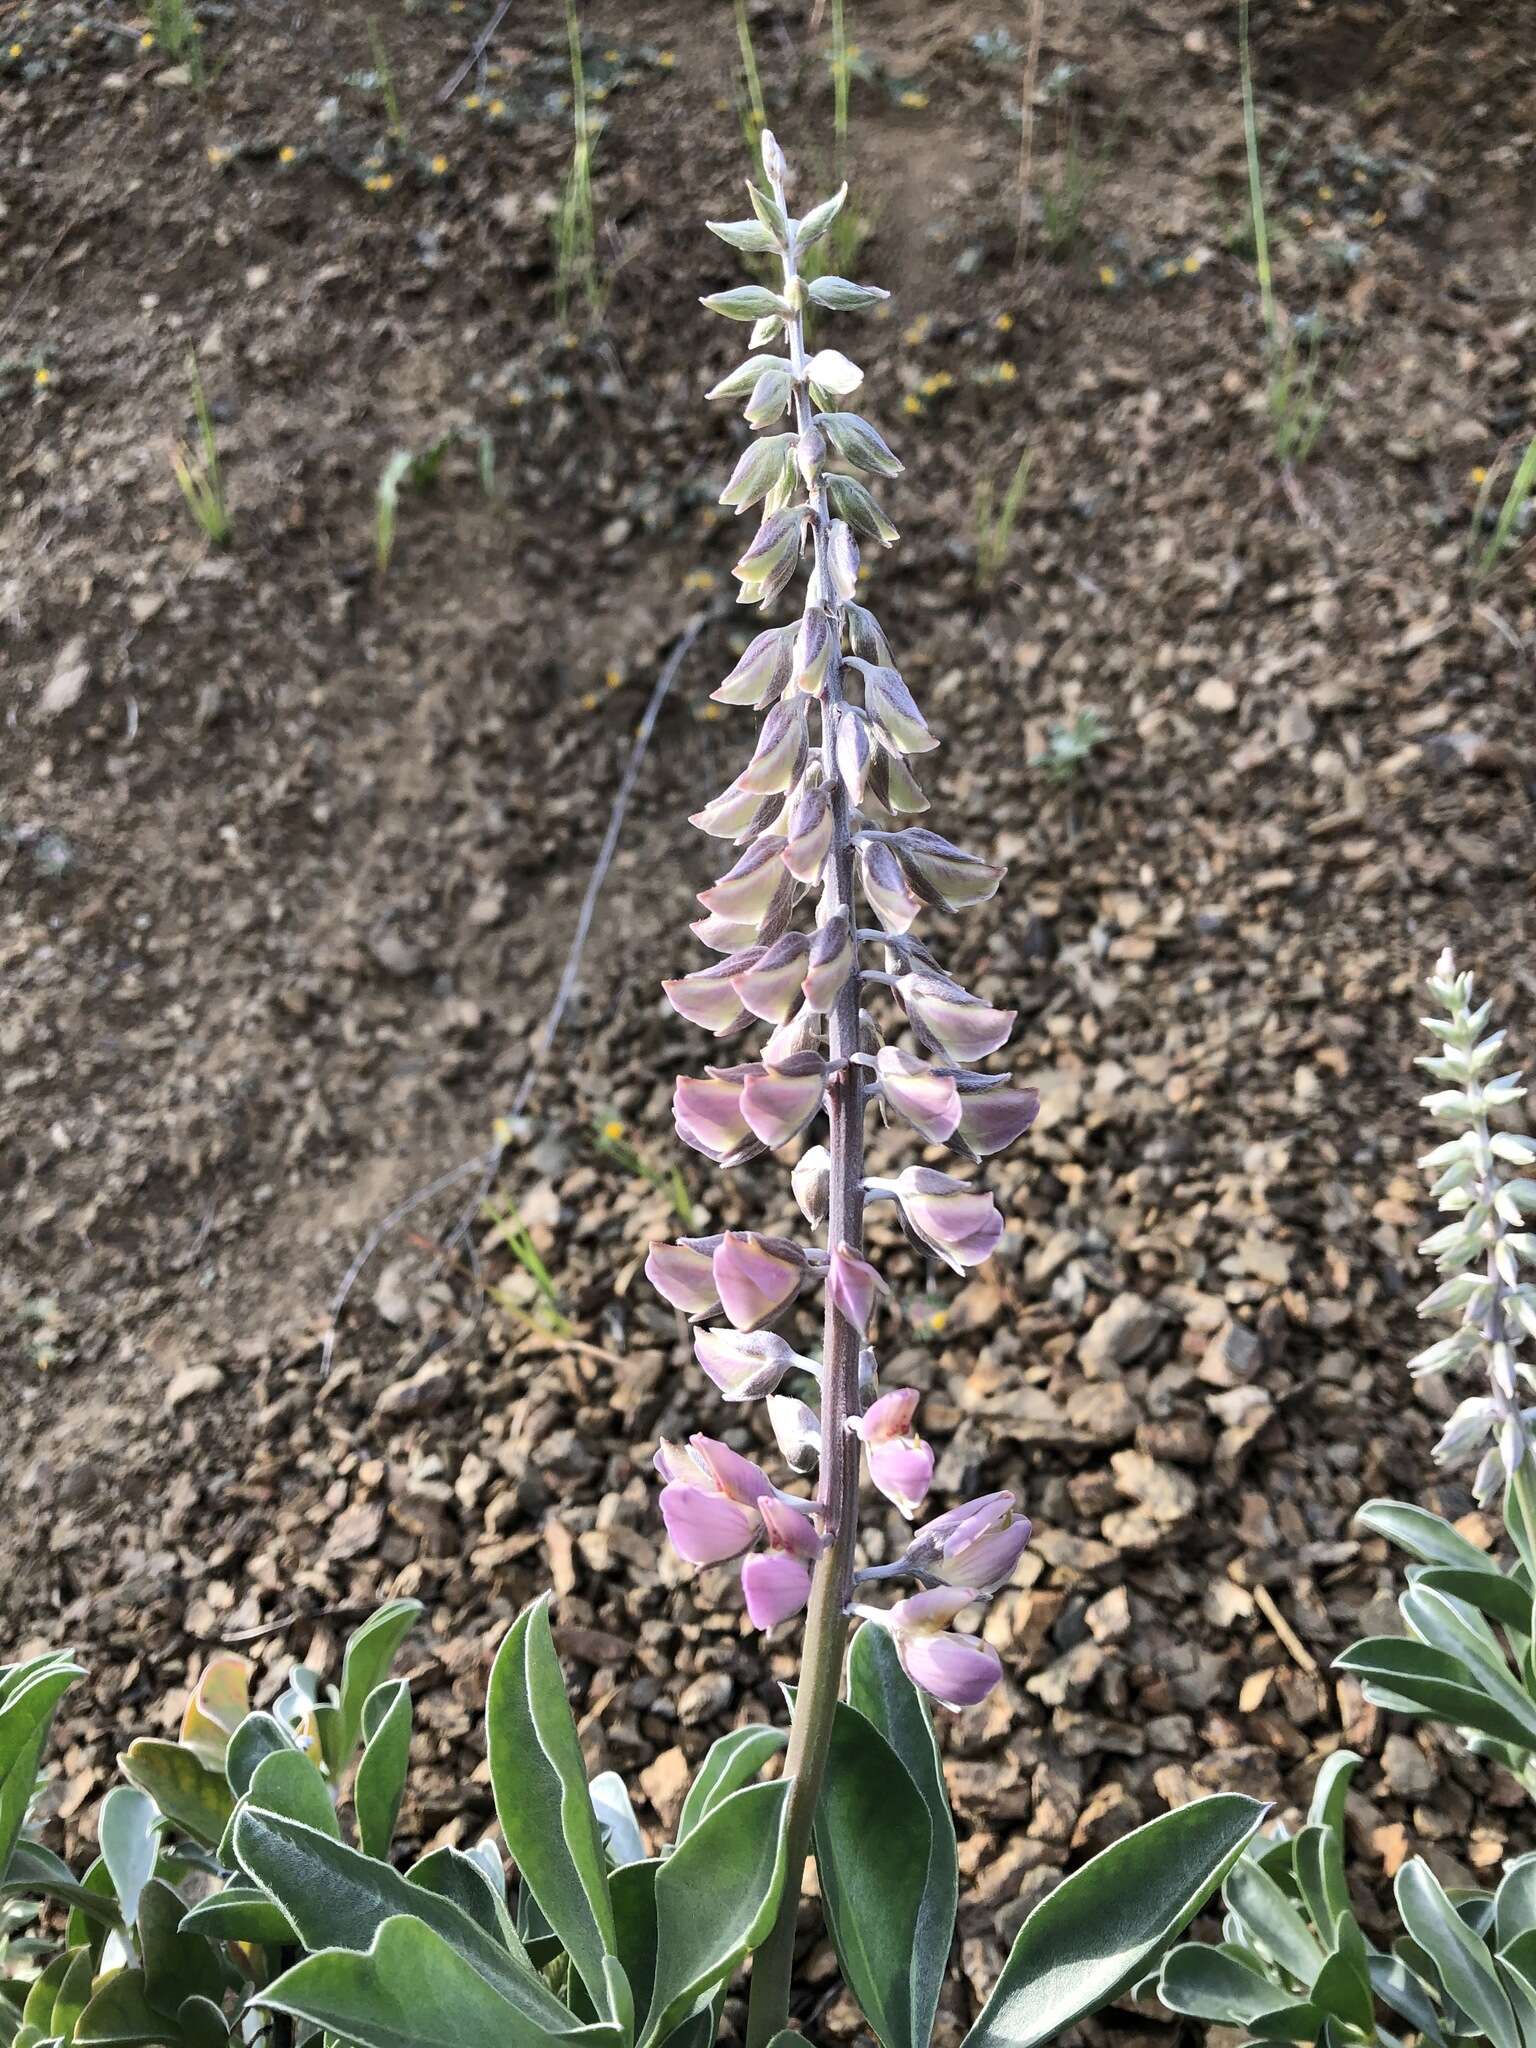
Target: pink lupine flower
(779,1101)
(708,998)
(959,1671)
(976,1545)
(948,1017)
(709,1117)
(746,1365)
(943,874)
(957,1221)
(814,647)
(808,833)
(762,673)
(732,814)
(782,746)
(991,1117)
(900,1463)
(768,983)
(928,1100)
(831,963)
(756,1277)
(745,892)
(894,709)
(683,1273)
(711,1499)
(884,881)
(777,1581)
(853,1284)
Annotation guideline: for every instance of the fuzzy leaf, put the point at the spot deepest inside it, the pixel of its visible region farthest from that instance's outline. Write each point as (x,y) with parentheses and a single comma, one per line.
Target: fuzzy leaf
(1102,1928)
(379,1785)
(838,295)
(128,1836)
(732,1762)
(1465,1967)
(370,1652)
(192,1798)
(24,1723)
(745,302)
(540,1785)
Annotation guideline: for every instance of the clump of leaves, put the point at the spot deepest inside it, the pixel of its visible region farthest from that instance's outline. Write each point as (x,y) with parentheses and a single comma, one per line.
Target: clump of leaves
(1070,746)
(179,34)
(196,467)
(1512,520)
(1300,395)
(418,469)
(995,519)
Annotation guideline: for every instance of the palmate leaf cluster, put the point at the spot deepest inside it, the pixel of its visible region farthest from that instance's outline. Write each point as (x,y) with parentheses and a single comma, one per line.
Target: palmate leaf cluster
(248,1880)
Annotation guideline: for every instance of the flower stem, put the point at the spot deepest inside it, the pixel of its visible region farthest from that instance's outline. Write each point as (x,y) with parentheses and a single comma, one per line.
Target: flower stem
(826,1626)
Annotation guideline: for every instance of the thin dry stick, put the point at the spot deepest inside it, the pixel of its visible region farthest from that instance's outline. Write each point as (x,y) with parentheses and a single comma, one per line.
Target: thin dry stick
(1027,126)
(488,1164)
(1264,1601)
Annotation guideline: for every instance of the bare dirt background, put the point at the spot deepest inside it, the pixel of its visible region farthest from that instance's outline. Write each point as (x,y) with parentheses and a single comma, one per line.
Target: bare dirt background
(291,856)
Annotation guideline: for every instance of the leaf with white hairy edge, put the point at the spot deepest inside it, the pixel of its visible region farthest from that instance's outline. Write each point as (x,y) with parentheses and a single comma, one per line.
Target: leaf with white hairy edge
(716,1897)
(1100,1930)
(411,1989)
(540,1784)
(830,370)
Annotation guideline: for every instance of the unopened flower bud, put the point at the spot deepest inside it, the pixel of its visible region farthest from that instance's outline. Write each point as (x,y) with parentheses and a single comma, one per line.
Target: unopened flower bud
(746,1366)
(796,1431)
(811,1182)
(762,673)
(852,752)
(842,558)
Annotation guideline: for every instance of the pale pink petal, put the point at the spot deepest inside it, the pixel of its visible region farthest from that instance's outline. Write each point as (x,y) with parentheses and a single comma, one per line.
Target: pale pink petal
(991,1121)
(889,1415)
(708,1115)
(775,1586)
(959,1671)
(902,1469)
(745,892)
(754,1284)
(684,1277)
(705,1527)
(853,1284)
(727,1470)
(769,985)
(929,1101)
(831,962)
(791,1529)
(776,1105)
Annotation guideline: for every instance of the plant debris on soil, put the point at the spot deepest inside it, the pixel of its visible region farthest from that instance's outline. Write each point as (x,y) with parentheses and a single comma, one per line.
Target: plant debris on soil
(291,854)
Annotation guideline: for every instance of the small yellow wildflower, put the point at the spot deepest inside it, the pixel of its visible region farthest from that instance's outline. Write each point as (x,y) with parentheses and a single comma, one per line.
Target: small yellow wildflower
(77,32)
(15,49)
(496,109)
(915,335)
(42,376)
(287,154)
(612,677)
(710,712)
(938,1319)
(610,56)
(1192,262)
(439,166)
(613,1130)
(589,700)
(147,40)
(1378,217)
(699,579)
(472,102)
(1479,475)
(1006,372)
(914,99)
(217,156)
(1003,323)
(1325,192)
(598,92)
(666,59)
(911,403)
(1108,275)
(939,381)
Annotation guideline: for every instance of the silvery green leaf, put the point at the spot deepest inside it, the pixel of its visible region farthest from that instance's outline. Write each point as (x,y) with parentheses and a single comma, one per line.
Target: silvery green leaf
(745,302)
(738,382)
(769,328)
(748,235)
(858,442)
(760,468)
(820,218)
(838,295)
(770,213)
(770,397)
(850,501)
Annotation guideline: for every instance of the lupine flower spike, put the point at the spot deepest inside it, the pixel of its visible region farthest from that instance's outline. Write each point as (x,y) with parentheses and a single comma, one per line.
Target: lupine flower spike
(812,920)
(1485,1252)
(817,818)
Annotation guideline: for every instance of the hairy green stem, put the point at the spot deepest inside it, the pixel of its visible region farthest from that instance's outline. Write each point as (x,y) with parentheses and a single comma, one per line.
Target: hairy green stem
(826,1626)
